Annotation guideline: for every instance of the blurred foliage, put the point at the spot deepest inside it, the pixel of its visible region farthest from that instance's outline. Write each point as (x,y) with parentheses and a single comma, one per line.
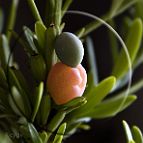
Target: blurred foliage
(30,115)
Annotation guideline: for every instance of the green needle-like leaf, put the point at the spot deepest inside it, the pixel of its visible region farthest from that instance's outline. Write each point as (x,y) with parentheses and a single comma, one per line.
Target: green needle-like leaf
(74,103)
(66,5)
(4,138)
(128,132)
(137,134)
(30,38)
(34,10)
(55,122)
(58,13)
(4,51)
(45,108)
(14,107)
(115,6)
(94,97)
(11,18)
(18,99)
(27,48)
(39,72)
(90,83)
(43,136)
(40,31)
(49,12)
(138,9)
(71,128)
(37,100)
(133,43)
(111,107)
(50,40)
(15,78)
(34,134)
(113,42)
(80,32)
(62,26)
(99,92)
(92,59)
(127,22)
(60,133)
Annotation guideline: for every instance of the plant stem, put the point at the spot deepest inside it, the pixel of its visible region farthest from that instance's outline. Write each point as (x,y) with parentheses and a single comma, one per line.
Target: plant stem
(49,12)
(58,11)
(11,18)
(34,10)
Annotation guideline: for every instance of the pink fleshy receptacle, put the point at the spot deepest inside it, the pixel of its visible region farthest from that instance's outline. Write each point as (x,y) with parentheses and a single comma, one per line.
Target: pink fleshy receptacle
(66,83)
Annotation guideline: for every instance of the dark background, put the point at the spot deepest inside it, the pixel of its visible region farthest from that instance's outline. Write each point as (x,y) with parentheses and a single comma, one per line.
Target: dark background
(102,131)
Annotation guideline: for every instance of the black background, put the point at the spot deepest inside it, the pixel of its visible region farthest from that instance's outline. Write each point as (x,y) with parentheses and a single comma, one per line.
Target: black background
(102,131)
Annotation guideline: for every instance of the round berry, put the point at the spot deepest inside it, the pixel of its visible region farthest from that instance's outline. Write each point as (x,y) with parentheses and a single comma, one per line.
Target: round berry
(69,49)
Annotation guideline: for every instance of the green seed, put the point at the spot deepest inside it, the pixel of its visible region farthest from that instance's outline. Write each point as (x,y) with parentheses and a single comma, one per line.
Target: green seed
(69,49)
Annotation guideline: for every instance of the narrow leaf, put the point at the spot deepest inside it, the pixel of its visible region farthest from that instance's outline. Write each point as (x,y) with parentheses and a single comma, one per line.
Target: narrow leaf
(39,72)
(58,13)
(34,10)
(14,107)
(11,18)
(16,79)
(99,92)
(74,103)
(138,9)
(62,26)
(18,99)
(30,38)
(4,138)
(43,136)
(49,12)
(4,51)
(45,108)
(27,48)
(37,100)
(113,42)
(50,36)
(137,134)
(66,5)
(55,122)
(115,6)
(80,32)
(133,43)
(90,83)
(128,132)
(92,59)
(72,127)
(60,133)
(34,134)
(126,24)
(111,107)
(40,31)
(95,96)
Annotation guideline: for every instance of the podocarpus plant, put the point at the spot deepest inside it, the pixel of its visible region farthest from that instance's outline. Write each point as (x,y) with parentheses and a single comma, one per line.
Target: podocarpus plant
(47,113)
